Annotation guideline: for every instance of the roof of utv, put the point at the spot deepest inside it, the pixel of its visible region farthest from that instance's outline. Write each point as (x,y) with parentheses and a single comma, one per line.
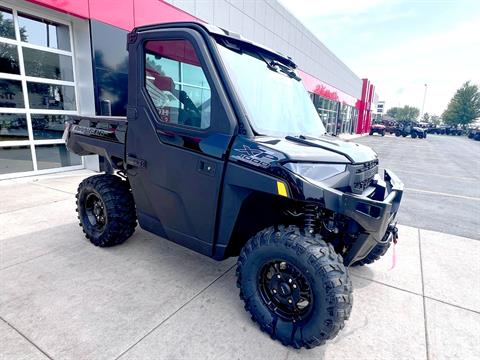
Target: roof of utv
(226,35)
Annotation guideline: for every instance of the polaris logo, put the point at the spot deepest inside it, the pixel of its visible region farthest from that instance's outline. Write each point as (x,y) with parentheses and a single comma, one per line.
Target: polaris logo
(85,130)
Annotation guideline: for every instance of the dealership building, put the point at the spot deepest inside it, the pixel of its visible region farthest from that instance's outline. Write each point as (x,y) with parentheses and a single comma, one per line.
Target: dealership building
(68,57)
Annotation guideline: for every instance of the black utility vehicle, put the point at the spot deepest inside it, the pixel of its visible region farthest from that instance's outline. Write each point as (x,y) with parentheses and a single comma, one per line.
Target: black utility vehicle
(447,130)
(474,133)
(454,130)
(222,151)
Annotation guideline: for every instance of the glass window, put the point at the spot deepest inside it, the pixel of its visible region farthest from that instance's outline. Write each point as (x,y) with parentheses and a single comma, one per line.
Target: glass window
(112,90)
(7,29)
(164,66)
(201,99)
(108,47)
(9,59)
(15,159)
(55,156)
(48,126)
(50,96)
(11,94)
(171,66)
(47,65)
(193,75)
(37,40)
(13,127)
(44,32)
(329,114)
(276,103)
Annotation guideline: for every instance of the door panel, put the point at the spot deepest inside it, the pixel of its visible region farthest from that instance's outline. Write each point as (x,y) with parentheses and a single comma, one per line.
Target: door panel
(181,132)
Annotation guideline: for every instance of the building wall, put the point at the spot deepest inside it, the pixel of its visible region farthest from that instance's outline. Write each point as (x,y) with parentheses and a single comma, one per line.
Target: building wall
(264,21)
(98,30)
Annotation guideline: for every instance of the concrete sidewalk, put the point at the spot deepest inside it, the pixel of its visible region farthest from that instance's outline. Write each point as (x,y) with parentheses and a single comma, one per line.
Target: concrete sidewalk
(63,298)
(347,137)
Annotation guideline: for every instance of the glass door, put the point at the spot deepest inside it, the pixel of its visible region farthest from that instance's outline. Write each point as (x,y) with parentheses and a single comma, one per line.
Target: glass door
(37,93)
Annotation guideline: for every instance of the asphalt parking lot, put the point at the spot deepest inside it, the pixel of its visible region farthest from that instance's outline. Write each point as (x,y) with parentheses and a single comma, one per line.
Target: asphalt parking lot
(63,298)
(442,180)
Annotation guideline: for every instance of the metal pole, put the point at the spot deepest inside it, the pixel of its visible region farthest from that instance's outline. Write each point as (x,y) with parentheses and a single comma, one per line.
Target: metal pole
(424,97)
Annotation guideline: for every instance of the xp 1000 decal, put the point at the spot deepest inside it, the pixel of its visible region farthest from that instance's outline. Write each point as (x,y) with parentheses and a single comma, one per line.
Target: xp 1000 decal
(253,154)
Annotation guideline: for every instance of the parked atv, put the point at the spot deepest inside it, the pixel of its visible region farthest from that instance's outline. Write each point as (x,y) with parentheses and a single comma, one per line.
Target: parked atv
(216,170)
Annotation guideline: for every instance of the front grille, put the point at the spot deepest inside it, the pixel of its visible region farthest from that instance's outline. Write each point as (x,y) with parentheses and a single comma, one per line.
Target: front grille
(362,175)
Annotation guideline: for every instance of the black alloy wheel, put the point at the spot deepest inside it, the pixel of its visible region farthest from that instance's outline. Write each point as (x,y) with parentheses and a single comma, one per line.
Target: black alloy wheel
(95,211)
(285,291)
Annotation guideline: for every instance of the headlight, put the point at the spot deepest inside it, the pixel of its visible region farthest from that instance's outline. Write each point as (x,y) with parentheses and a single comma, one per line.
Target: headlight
(316,172)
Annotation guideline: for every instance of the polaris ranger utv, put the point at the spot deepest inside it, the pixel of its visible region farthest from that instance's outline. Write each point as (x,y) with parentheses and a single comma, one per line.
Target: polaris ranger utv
(409,128)
(222,151)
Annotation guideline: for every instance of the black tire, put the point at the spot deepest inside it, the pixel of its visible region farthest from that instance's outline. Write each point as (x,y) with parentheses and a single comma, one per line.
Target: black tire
(106,210)
(398,133)
(404,135)
(377,252)
(370,133)
(314,261)
(414,135)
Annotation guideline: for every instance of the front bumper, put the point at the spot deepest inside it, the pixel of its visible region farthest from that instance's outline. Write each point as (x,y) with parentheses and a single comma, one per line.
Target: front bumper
(375,213)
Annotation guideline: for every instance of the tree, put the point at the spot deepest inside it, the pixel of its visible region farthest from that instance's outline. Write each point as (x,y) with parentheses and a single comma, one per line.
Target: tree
(435,119)
(464,107)
(7,28)
(426,117)
(405,113)
(393,112)
(8,52)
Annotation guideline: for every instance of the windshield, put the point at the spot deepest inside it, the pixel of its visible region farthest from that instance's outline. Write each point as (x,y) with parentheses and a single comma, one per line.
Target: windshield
(276,103)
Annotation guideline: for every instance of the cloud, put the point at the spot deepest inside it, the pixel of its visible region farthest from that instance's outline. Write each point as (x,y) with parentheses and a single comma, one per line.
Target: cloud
(401,45)
(442,59)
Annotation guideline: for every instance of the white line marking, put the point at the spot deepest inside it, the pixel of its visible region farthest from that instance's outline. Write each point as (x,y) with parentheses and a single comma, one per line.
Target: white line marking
(431,174)
(443,194)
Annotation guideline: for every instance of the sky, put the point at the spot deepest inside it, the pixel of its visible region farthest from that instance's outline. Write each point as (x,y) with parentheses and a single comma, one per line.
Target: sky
(401,45)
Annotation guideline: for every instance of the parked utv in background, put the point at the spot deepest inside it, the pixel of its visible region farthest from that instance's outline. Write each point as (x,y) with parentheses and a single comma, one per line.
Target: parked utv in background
(237,164)
(432,129)
(454,130)
(474,133)
(388,122)
(448,130)
(378,128)
(410,128)
(390,126)
(440,130)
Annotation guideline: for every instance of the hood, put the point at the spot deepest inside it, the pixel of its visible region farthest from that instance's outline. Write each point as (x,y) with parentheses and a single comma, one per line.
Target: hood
(323,149)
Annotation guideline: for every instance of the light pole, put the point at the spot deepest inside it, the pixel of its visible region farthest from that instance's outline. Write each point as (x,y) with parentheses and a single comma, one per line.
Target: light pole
(424,98)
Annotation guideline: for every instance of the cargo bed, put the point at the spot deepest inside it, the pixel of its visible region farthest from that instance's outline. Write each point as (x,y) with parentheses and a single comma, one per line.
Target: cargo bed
(100,135)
